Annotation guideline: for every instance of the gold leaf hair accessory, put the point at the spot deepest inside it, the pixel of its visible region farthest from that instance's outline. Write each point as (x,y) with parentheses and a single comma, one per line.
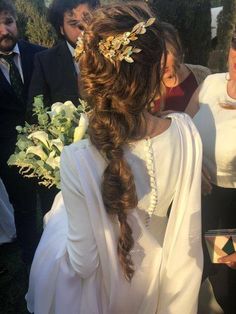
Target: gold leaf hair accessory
(117,48)
(79,49)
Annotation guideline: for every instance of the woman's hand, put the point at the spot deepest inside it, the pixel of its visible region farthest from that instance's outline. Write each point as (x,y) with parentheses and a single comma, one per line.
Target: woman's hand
(229,260)
(206,182)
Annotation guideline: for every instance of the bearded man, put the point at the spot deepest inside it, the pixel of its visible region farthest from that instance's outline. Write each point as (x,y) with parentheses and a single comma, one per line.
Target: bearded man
(16,67)
(56,72)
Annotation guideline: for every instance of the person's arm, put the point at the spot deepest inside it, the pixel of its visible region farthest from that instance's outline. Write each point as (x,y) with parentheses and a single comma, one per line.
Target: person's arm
(206,181)
(191,110)
(81,244)
(182,251)
(229,260)
(193,105)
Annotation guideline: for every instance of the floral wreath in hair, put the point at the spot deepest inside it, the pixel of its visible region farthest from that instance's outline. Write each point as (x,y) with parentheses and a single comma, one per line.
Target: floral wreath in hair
(117,48)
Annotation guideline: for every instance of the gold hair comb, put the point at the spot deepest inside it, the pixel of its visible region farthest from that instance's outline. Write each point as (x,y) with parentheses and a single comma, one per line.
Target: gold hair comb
(117,48)
(79,49)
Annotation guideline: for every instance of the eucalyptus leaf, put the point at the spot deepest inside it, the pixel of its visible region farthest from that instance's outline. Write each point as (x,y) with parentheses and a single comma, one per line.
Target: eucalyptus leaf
(38,148)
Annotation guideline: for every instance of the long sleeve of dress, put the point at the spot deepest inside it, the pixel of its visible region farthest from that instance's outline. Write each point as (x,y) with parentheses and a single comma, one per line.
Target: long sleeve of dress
(182,259)
(81,245)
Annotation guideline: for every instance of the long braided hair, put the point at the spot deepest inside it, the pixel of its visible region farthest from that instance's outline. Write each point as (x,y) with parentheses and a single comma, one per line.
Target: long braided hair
(118,95)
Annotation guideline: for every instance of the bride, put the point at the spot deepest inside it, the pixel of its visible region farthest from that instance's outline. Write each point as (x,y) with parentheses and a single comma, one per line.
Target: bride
(109,245)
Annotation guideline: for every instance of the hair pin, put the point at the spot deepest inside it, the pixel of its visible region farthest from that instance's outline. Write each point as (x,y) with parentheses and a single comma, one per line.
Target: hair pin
(118,48)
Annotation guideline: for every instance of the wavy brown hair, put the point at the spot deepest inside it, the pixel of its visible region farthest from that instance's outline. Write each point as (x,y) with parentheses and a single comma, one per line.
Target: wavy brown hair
(118,94)
(173,46)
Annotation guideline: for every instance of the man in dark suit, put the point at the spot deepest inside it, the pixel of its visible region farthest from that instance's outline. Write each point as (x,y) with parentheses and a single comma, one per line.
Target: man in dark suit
(55,73)
(16,66)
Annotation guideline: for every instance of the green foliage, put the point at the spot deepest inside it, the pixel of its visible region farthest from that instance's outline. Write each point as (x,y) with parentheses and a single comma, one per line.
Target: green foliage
(216,3)
(47,3)
(193,21)
(226,25)
(39,146)
(33,24)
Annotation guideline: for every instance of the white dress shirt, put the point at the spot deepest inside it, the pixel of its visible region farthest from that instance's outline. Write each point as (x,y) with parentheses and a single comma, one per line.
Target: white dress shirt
(72,51)
(5,67)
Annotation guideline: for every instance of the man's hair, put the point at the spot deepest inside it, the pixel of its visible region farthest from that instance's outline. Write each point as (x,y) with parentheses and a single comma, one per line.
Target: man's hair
(59,7)
(8,6)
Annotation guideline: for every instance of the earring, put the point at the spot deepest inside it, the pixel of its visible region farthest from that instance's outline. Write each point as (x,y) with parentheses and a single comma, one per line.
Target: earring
(227,77)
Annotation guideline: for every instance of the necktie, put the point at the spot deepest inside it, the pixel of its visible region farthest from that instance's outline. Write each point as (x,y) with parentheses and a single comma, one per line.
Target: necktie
(14,75)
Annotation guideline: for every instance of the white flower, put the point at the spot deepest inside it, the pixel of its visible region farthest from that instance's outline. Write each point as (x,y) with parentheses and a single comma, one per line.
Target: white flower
(81,128)
(39,146)
(38,151)
(55,109)
(58,143)
(42,136)
(68,107)
(52,161)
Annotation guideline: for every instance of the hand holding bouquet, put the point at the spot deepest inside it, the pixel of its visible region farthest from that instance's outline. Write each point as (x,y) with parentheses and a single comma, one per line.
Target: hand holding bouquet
(39,146)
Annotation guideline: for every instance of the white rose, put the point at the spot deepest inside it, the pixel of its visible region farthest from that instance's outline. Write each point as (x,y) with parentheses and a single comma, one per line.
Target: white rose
(68,107)
(55,109)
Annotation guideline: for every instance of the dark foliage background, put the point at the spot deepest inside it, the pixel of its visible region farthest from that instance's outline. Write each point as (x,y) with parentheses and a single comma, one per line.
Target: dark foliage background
(193,21)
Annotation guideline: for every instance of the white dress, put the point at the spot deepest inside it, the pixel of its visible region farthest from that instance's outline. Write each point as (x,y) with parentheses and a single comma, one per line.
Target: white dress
(217,129)
(7,223)
(76,268)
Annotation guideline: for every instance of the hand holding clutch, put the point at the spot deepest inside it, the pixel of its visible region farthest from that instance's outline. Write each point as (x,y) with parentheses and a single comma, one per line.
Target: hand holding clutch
(229,260)
(220,243)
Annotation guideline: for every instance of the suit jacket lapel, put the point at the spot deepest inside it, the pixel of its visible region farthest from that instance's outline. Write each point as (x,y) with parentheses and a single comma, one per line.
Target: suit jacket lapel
(5,84)
(25,62)
(65,62)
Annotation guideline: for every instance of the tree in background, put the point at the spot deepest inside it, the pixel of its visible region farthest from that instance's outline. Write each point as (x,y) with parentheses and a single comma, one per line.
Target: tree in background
(193,21)
(33,23)
(216,3)
(226,26)
(47,3)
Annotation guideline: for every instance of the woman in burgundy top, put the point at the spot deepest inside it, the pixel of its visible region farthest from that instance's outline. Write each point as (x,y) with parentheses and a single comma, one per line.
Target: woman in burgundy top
(179,80)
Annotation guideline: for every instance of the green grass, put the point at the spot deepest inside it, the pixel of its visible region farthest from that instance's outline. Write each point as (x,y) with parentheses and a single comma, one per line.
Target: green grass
(13,280)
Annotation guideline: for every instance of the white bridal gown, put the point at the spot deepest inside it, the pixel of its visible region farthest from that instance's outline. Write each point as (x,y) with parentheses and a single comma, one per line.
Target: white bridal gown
(76,269)
(7,223)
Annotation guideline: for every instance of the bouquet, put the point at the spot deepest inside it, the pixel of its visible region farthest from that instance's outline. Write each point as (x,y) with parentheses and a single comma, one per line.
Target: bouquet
(39,146)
